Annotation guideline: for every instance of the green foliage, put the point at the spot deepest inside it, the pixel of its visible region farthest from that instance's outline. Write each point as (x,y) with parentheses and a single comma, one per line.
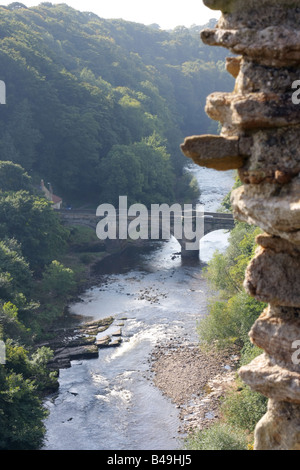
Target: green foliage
(79,86)
(22,412)
(52,294)
(20,138)
(226,203)
(226,271)
(57,281)
(249,352)
(146,177)
(13,264)
(11,326)
(31,220)
(243,409)
(16,6)
(232,312)
(13,177)
(219,436)
(229,322)
(44,380)
(31,235)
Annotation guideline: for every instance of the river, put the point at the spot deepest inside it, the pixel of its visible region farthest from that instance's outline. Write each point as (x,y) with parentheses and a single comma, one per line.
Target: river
(110,403)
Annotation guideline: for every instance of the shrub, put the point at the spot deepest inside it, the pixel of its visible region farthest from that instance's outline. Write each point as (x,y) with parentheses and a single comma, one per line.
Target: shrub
(219,436)
(244,408)
(229,321)
(58,281)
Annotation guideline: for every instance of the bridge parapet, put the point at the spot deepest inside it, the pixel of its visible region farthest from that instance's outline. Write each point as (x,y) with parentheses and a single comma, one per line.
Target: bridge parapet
(212,221)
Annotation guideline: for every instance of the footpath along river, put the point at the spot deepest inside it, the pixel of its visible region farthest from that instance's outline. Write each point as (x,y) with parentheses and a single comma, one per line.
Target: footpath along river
(111,403)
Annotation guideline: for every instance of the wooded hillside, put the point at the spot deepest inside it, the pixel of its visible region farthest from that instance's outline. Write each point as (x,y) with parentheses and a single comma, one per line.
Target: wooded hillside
(93,101)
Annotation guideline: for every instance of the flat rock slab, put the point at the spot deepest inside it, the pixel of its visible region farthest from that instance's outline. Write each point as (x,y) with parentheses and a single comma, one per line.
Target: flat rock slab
(271,380)
(77,343)
(117,333)
(63,357)
(259,44)
(212,151)
(253,110)
(101,342)
(107,342)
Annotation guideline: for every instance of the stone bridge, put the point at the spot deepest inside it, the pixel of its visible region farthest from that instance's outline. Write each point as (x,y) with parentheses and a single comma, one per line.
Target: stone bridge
(210,222)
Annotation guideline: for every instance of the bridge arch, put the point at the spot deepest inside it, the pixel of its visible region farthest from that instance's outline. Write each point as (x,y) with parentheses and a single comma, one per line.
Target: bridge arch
(213,221)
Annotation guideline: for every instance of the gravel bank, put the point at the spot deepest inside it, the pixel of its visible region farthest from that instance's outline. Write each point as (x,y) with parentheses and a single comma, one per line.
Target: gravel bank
(194,380)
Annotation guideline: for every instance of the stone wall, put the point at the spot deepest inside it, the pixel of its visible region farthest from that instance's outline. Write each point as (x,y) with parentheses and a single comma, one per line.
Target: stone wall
(261,139)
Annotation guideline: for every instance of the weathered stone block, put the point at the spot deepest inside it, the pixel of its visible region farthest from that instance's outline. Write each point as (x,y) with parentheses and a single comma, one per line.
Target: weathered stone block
(270,277)
(275,209)
(277,244)
(253,110)
(229,6)
(214,151)
(275,156)
(277,332)
(279,429)
(272,380)
(254,77)
(259,44)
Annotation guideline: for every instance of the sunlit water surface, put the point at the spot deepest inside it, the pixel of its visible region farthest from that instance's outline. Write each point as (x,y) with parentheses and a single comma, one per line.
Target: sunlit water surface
(110,403)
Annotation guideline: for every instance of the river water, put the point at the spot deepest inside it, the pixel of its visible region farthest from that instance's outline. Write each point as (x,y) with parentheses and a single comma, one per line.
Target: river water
(110,403)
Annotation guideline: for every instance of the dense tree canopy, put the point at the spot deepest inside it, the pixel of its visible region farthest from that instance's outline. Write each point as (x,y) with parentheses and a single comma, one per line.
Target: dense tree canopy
(33,223)
(30,237)
(79,86)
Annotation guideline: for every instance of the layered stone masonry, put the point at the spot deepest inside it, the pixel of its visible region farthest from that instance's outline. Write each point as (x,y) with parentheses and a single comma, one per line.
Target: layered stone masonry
(260,138)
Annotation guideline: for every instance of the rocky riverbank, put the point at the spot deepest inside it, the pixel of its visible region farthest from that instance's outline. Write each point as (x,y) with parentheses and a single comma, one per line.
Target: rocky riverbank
(73,337)
(81,341)
(194,380)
